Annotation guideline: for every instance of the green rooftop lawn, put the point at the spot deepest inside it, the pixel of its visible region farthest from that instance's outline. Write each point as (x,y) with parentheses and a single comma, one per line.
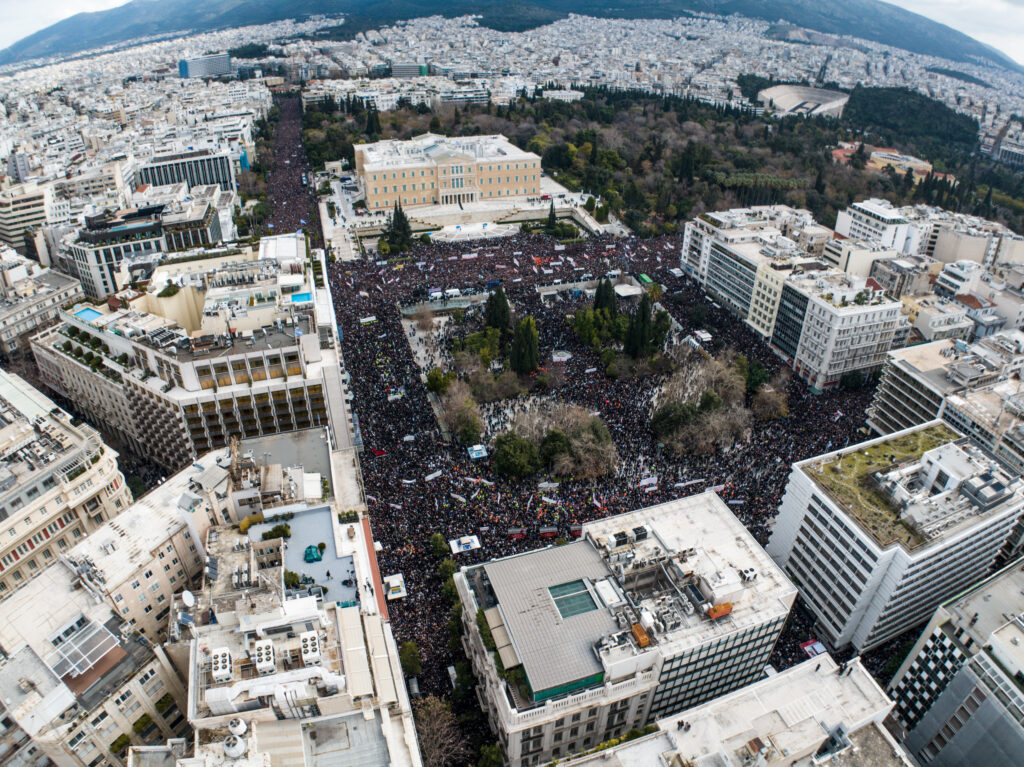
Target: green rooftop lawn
(848,481)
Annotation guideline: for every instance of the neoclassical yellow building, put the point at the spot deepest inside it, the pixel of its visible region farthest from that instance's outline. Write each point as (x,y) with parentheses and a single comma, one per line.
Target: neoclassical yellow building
(438,170)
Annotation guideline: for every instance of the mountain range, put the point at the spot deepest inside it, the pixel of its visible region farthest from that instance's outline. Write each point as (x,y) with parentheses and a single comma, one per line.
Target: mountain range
(867,19)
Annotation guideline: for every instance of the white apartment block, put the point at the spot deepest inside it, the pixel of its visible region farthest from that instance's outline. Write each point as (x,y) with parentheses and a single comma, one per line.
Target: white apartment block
(30,299)
(878,221)
(648,613)
(878,534)
(236,346)
(58,483)
(23,207)
(848,326)
(816,713)
(76,683)
(855,257)
(761,264)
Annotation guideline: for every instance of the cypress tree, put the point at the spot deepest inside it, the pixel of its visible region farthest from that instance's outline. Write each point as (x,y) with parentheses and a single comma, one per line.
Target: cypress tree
(604,297)
(496,312)
(525,356)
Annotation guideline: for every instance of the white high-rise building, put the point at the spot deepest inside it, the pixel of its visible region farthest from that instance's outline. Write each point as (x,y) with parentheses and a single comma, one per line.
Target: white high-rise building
(876,535)
(879,221)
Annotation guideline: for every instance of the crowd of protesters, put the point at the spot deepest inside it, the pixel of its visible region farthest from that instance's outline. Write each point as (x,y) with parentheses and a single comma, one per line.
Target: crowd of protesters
(292,203)
(418,484)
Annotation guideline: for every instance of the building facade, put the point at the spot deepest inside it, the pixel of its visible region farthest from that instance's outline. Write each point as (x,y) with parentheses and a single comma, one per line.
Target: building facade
(30,299)
(58,483)
(878,534)
(438,170)
(198,167)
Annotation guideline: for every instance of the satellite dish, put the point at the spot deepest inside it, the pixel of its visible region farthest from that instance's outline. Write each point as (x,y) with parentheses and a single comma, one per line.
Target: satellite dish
(188,598)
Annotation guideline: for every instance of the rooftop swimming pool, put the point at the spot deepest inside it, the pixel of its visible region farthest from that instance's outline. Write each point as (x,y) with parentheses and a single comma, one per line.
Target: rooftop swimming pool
(301,298)
(88,314)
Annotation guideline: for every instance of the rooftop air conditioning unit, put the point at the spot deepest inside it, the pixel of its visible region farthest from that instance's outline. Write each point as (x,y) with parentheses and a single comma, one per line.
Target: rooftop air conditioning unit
(220,665)
(263,656)
(310,641)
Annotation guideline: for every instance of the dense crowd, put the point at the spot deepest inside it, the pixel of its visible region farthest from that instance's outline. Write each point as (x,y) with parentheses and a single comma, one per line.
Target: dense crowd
(418,484)
(293,205)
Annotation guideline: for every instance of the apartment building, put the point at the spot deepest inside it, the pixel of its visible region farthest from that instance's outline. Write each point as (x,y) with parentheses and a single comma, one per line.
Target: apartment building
(816,713)
(648,613)
(993,417)
(829,325)
(906,275)
(94,252)
(878,534)
(855,257)
(30,298)
(297,673)
(135,562)
(936,318)
(195,167)
(23,207)
(58,483)
(76,684)
(956,699)
(916,381)
(823,322)
(234,347)
(441,170)
(878,221)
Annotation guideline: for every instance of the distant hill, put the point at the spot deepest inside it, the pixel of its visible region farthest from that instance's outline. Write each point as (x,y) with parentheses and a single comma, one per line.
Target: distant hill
(868,19)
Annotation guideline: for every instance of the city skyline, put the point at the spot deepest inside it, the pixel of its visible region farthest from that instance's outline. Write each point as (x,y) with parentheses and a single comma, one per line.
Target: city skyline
(997,23)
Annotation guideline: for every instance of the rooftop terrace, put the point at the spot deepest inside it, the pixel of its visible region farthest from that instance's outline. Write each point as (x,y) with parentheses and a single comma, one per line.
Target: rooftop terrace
(847,476)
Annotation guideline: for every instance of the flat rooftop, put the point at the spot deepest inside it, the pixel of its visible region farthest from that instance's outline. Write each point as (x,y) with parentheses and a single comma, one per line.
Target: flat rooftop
(307,448)
(431,147)
(784,719)
(984,607)
(562,611)
(846,477)
(928,363)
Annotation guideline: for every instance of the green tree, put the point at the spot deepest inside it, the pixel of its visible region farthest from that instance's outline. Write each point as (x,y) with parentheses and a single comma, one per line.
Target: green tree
(756,376)
(710,401)
(439,546)
(640,334)
(555,443)
(525,356)
(604,297)
(490,756)
(515,456)
(409,655)
(398,233)
(671,416)
(552,222)
(496,311)
(447,568)
(438,381)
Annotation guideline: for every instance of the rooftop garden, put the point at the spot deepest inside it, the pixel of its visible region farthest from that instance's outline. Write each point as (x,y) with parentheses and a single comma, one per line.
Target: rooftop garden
(848,480)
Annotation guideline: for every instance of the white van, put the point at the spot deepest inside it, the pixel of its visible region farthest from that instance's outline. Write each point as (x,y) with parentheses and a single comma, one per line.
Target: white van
(452,293)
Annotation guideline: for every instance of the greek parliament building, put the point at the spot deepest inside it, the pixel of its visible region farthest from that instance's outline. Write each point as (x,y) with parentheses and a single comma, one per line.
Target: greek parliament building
(437,170)
(648,613)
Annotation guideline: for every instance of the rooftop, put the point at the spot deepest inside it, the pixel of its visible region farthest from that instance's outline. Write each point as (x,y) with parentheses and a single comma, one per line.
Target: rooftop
(786,719)
(37,438)
(680,573)
(915,487)
(985,606)
(430,147)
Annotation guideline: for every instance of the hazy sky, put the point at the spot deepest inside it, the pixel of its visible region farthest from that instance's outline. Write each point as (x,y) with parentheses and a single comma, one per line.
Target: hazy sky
(999,23)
